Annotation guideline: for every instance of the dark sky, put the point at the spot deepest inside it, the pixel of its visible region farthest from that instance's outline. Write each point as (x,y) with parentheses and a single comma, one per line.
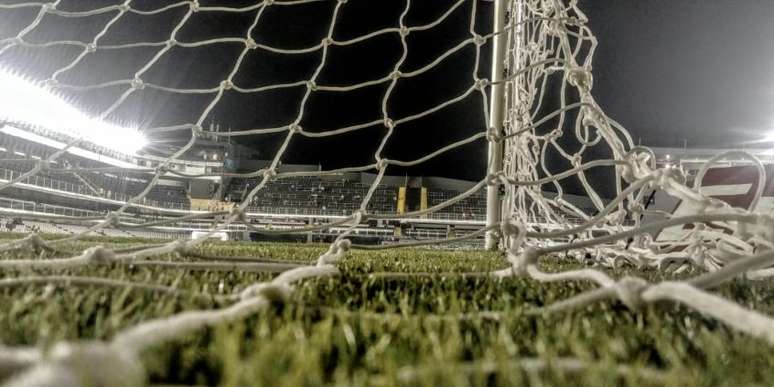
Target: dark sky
(701,70)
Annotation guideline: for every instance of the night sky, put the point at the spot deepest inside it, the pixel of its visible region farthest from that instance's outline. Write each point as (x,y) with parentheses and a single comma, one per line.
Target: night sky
(668,70)
(701,70)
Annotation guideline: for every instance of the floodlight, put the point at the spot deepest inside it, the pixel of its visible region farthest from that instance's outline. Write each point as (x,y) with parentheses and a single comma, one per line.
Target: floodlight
(24,102)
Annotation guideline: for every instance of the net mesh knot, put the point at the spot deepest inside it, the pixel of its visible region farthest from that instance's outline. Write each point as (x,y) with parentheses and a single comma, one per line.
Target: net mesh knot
(554,28)
(629,291)
(515,231)
(112,219)
(520,260)
(14,41)
(635,209)
(576,21)
(479,40)
(269,175)
(238,212)
(137,84)
(480,83)
(382,164)
(100,255)
(359,215)
(36,242)
(251,44)
(495,178)
(337,251)
(388,123)
(663,178)
(493,134)
(576,161)
(581,78)
(179,247)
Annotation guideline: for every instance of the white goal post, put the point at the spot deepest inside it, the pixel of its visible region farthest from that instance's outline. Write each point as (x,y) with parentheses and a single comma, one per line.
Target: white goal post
(494,199)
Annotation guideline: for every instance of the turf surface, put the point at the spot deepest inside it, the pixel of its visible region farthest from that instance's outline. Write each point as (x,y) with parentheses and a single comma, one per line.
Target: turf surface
(358,329)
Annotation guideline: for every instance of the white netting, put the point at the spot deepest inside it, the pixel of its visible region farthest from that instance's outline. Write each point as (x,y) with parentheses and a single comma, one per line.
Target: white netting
(548,112)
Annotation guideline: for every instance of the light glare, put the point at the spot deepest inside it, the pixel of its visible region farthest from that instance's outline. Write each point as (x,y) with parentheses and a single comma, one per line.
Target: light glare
(24,102)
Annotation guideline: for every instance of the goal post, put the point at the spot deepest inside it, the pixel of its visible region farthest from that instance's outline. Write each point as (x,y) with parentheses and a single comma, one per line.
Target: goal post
(494,198)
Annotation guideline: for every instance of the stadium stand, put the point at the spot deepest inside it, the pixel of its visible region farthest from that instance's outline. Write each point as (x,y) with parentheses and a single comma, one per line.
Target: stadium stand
(301,195)
(312,195)
(473,207)
(80,184)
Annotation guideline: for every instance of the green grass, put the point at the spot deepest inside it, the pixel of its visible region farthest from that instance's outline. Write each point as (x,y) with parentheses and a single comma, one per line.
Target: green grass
(359,330)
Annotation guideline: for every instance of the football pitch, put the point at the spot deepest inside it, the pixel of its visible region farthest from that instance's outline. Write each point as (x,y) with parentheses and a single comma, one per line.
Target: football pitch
(420,317)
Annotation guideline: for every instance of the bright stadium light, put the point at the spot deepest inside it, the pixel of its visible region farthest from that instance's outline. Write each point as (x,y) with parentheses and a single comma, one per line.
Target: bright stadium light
(24,102)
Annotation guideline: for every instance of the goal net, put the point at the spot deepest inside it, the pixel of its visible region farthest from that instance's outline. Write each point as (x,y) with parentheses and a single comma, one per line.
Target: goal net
(528,81)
